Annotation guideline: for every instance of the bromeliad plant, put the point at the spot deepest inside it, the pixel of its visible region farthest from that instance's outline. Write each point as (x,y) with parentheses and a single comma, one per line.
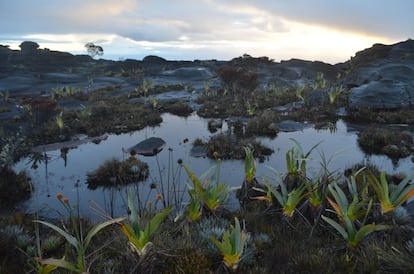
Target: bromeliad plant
(289,201)
(194,207)
(139,238)
(232,245)
(343,208)
(296,159)
(334,92)
(79,241)
(316,193)
(249,165)
(353,234)
(350,228)
(212,193)
(391,197)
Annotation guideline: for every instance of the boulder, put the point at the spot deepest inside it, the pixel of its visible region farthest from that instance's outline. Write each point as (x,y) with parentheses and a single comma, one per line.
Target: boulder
(383,94)
(154,59)
(29,47)
(149,147)
(382,77)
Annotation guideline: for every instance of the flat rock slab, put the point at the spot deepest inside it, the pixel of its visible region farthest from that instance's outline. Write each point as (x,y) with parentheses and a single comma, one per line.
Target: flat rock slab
(192,73)
(68,144)
(148,147)
(383,94)
(291,126)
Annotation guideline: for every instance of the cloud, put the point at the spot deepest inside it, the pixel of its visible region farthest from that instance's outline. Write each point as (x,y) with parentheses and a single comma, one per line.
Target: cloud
(375,17)
(296,28)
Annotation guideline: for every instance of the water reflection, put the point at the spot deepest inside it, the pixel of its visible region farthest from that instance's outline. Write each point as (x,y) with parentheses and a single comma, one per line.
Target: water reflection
(65,172)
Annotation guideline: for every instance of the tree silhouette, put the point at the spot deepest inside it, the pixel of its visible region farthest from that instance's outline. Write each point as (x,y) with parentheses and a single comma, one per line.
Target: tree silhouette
(94,50)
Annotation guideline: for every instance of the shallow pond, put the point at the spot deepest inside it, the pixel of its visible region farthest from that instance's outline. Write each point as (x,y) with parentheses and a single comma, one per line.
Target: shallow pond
(55,177)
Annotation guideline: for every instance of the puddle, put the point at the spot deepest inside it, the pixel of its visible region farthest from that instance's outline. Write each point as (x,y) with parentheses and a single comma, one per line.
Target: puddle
(70,180)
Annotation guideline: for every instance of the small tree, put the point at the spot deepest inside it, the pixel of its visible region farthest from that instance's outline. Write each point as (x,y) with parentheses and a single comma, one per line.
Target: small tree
(94,50)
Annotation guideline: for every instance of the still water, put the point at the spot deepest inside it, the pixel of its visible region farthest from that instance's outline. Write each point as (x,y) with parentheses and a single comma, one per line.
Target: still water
(339,146)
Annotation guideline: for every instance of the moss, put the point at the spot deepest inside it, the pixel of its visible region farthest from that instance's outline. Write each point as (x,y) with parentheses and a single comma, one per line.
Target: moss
(396,116)
(225,146)
(178,108)
(189,261)
(381,140)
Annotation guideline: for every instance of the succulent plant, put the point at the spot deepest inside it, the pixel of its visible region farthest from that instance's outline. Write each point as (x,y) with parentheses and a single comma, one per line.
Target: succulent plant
(12,230)
(410,246)
(23,241)
(51,243)
(401,216)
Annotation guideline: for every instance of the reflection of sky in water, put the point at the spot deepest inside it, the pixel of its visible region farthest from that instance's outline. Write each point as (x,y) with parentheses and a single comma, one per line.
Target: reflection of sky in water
(340,146)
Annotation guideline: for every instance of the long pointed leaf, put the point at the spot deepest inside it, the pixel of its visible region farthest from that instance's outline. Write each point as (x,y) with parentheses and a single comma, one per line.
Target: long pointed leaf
(61,263)
(135,239)
(366,230)
(399,189)
(335,207)
(384,187)
(98,228)
(133,217)
(153,224)
(402,193)
(337,226)
(72,240)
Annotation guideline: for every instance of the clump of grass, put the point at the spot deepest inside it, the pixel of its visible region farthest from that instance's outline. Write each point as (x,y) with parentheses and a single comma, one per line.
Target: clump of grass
(381,140)
(227,147)
(115,172)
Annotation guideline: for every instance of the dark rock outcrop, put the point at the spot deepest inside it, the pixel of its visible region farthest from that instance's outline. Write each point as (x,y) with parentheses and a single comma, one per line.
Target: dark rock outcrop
(382,77)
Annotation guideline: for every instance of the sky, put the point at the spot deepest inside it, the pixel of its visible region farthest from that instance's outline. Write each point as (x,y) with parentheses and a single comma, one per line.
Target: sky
(325,30)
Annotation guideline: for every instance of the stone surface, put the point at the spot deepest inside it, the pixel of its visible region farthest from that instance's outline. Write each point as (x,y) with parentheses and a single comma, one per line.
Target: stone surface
(290,126)
(382,77)
(148,147)
(383,94)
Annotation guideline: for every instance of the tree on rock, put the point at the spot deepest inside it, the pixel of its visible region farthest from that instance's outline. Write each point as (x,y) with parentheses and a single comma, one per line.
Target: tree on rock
(94,50)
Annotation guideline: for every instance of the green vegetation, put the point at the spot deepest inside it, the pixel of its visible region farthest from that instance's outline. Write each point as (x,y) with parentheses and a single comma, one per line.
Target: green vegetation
(209,191)
(232,245)
(299,222)
(77,240)
(140,238)
(356,213)
(391,196)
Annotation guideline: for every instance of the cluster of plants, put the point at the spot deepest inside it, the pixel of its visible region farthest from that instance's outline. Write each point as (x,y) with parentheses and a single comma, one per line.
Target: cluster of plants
(381,140)
(97,112)
(242,96)
(115,172)
(67,91)
(292,221)
(13,186)
(388,116)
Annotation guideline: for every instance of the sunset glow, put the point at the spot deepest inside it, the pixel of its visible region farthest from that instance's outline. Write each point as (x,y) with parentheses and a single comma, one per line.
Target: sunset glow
(208,29)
